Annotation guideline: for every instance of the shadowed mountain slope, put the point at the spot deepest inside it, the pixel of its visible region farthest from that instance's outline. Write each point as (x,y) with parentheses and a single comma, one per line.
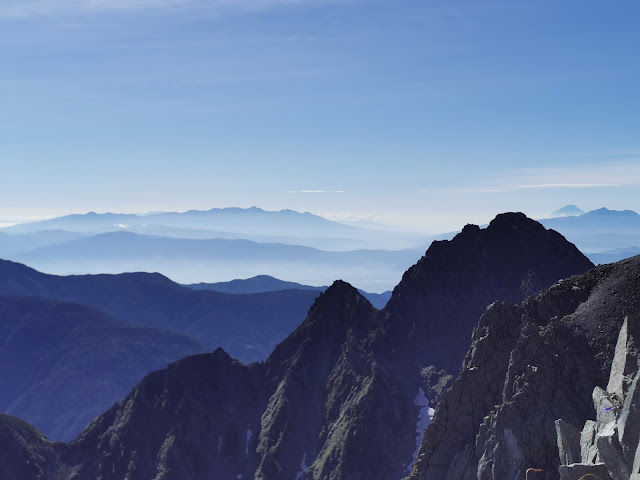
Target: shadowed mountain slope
(439,300)
(62,364)
(247,326)
(26,454)
(186,259)
(341,396)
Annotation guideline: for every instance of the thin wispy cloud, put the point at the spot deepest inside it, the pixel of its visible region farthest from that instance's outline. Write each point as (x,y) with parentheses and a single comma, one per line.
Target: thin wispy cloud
(32,8)
(611,174)
(315,191)
(563,185)
(619,155)
(539,186)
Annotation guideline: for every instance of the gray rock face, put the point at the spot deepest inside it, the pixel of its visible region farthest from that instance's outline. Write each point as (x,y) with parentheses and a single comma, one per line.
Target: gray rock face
(588,450)
(625,363)
(568,443)
(578,471)
(613,439)
(529,365)
(610,451)
(629,422)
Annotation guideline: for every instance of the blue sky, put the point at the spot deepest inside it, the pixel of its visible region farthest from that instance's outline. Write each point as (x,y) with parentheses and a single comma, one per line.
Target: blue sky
(423,114)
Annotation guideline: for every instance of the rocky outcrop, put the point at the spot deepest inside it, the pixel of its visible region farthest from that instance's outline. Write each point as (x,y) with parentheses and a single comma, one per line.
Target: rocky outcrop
(611,443)
(529,365)
(25,454)
(198,418)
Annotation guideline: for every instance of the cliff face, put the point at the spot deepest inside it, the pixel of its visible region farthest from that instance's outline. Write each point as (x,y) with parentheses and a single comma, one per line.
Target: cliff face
(195,419)
(527,366)
(345,396)
(437,304)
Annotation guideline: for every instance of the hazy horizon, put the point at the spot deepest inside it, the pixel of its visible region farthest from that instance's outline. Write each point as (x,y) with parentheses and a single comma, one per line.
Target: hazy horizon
(344,218)
(421,115)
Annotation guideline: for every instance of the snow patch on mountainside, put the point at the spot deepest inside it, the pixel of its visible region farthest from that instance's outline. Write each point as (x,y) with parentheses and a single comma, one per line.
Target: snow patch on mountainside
(303,467)
(249,435)
(425,415)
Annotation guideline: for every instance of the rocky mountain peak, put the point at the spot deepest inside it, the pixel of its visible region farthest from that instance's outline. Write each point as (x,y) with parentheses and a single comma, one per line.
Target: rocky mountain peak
(341,304)
(339,292)
(511,219)
(443,295)
(338,314)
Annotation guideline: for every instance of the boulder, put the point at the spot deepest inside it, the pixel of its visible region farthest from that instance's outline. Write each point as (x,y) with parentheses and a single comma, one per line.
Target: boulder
(605,405)
(578,471)
(612,442)
(629,421)
(568,442)
(625,361)
(610,452)
(588,449)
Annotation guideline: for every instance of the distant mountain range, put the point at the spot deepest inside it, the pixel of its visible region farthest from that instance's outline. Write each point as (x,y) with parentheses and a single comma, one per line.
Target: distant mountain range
(599,231)
(216,245)
(18,243)
(250,220)
(598,221)
(266,283)
(186,259)
(249,326)
(284,226)
(339,398)
(220,244)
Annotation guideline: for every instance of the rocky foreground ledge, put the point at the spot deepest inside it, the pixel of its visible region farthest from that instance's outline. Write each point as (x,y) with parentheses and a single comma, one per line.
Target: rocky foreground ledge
(609,447)
(529,365)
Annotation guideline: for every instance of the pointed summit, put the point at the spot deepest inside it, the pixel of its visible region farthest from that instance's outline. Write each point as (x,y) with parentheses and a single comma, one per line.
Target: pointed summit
(443,295)
(568,211)
(341,310)
(339,289)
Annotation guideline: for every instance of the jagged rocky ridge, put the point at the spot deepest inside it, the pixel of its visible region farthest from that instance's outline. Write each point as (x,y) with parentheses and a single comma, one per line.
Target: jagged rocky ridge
(528,365)
(336,399)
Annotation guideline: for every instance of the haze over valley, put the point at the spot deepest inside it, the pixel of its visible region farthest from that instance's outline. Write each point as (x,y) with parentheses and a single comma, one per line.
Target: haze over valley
(319,240)
(220,245)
